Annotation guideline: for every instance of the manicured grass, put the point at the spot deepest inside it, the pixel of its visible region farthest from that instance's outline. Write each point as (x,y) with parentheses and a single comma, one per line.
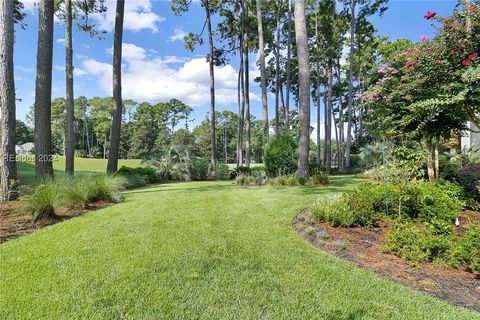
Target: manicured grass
(26,170)
(206,250)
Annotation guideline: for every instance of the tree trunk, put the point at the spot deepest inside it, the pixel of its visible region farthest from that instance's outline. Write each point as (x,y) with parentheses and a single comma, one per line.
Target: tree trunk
(437,158)
(317,89)
(328,120)
(241,108)
(340,118)
(277,69)
(303,88)
(112,165)
(247,90)
(70,117)
(289,57)
(318,122)
(350,85)
(430,159)
(8,169)
(213,142)
(43,91)
(263,74)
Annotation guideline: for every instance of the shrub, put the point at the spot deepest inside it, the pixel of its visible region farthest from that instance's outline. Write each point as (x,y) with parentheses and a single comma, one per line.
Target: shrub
(435,242)
(320,179)
(43,203)
(323,234)
(407,241)
(241,180)
(469,177)
(339,244)
(365,205)
(280,155)
(137,177)
(291,180)
(279,181)
(104,187)
(198,169)
(334,210)
(302,181)
(222,172)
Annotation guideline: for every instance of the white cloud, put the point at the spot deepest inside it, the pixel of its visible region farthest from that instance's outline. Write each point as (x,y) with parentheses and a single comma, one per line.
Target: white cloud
(60,40)
(138,16)
(178,35)
(155,78)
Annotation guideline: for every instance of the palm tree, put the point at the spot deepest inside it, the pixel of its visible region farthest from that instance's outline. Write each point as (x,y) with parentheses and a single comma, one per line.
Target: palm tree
(263,74)
(43,91)
(112,165)
(70,117)
(303,88)
(8,170)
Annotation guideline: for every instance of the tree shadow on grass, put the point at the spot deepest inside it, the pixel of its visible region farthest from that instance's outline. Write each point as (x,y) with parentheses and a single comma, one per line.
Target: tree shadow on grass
(338,184)
(355,314)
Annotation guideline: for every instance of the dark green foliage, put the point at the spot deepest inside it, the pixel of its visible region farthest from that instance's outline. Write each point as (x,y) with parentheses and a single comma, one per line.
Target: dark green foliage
(320,179)
(469,178)
(280,155)
(436,242)
(199,169)
(222,172)
(137,177)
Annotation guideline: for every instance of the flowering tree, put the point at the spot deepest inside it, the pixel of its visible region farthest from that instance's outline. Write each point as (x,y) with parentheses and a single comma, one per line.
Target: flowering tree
(432,89)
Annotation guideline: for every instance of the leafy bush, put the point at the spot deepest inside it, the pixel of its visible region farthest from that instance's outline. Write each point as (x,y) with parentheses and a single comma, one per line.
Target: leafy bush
(469,178)
(334,210)
(43,203)
(302,181)
(320,179)
(222,172)
(199,169)
(435,242)
(279,181)
(280,155)
(291,181)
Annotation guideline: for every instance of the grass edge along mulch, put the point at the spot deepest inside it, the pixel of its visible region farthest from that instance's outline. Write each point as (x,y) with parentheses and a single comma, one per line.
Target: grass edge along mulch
(362,247)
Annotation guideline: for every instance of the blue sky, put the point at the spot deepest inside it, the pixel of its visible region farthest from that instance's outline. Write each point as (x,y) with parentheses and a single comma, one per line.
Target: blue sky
(157,67)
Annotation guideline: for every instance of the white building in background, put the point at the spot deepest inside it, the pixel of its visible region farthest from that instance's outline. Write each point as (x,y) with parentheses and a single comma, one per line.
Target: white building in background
(26,148)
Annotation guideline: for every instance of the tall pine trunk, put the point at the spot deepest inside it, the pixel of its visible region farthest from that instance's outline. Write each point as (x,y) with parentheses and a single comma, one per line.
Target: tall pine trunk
(350,85)
(8,170)
(328,120)
(241,108)
(112,165)
(263,74)
(303,88)
(43,91)
(70,117)
(277,69)
(289,57)
(213,142)
(247,90)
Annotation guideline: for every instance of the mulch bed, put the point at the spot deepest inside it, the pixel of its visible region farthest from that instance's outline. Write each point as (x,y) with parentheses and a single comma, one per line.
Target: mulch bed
(13,224)
(363,248)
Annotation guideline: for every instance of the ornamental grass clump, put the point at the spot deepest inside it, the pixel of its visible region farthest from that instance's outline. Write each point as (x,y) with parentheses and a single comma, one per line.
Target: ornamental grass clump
(43,203)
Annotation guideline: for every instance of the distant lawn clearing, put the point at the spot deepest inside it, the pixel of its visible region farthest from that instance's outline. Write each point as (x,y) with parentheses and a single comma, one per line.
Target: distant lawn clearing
(26,170)
(206,250)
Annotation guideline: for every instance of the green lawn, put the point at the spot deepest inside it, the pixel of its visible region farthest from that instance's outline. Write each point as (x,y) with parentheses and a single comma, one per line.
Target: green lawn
(26,170)
(207,250)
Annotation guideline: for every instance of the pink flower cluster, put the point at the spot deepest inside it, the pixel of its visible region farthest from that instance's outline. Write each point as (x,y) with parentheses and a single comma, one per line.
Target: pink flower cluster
(424,38)
(466,63)
(387,69)
(369,97)
(430,15)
